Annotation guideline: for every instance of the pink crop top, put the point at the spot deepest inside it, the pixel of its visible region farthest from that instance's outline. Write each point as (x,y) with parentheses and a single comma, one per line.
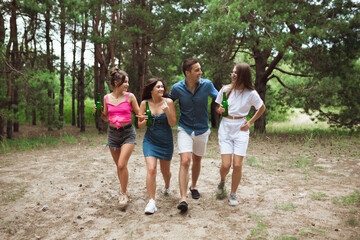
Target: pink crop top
(120,113)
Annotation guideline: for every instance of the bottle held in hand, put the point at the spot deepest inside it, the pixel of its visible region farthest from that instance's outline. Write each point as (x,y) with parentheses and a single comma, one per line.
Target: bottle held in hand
(98,106)
(148,113)
(225,105)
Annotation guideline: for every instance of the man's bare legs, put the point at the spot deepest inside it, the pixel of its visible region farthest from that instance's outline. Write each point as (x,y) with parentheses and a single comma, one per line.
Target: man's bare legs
(185,159)
(195,170)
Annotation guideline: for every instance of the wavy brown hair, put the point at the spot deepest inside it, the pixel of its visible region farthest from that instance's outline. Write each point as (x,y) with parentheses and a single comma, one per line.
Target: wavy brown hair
(149,86)
(117,75)
(243,73)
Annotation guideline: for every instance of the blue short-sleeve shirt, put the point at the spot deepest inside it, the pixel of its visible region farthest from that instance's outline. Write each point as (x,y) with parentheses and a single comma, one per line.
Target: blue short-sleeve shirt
(194,107)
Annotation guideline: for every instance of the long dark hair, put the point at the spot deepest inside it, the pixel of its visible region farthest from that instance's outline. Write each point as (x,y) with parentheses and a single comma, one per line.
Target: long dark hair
(117,75)
(243,73)
(149,86)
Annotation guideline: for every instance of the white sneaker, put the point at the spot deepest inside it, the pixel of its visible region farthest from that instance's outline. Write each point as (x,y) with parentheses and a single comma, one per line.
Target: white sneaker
(220,188)
(166,191)
(123,199)
(150,207)
(232,200)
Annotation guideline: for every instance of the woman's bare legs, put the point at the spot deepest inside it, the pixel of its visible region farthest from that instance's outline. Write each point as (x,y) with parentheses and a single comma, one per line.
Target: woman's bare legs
(121,157)
(237,172)
(165,170)
(151,163)
(225,165)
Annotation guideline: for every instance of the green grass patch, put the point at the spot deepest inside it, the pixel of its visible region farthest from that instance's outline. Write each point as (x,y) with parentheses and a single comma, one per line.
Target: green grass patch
(256,217)
(11,195)
(70,139)
(251,161)
(309,130)
(260,232)
(303,162)
(348,200)
(317,196)
(25,144)
(212,153)
(285,238)
(307,231)
(9,145)
(352,222)
(286,207)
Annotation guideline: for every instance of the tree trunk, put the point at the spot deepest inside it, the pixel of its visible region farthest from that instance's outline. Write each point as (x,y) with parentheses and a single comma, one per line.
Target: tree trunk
(9,131)
(2,41)
(16,109)
(78,105)
(73,91)
(119,48)
(11,59)
(112,38)
(1,126)
(49,67)
(215,116)
(102,61)
(15,61)
(32,62)
(2,29)
(62,65)
(96,86)
(33,116)
(260,86)
(81,76)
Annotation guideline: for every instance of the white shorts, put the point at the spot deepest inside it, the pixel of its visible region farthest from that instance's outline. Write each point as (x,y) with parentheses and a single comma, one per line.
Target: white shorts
(192,143)
(231,139)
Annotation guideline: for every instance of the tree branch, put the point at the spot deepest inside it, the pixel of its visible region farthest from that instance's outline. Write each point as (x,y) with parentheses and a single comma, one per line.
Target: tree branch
(331,119)
(292,74)
(273,64)
(281,82)
(10,66)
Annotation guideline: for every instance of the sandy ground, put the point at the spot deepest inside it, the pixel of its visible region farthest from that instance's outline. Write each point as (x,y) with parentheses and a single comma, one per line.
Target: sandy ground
(292,188)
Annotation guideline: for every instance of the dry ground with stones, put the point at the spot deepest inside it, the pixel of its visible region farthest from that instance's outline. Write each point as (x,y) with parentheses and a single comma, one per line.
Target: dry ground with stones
(294,186)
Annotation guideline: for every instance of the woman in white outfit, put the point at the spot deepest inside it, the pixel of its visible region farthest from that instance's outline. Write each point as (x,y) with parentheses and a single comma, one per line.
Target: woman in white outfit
(234,129)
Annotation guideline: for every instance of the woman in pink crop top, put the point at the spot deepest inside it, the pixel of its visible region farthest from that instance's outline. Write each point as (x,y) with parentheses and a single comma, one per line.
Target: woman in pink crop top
(122,135)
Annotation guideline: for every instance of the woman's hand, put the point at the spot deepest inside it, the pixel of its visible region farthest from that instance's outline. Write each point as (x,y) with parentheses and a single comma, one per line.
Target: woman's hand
(165,107)
(101,110)
(221,109)
(245,126)
(142,117)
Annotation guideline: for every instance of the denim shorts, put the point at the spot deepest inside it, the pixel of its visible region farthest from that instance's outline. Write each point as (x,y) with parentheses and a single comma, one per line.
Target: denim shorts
(118,137)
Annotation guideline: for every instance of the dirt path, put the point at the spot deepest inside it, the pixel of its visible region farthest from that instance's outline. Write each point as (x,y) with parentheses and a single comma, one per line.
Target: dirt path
(291,187)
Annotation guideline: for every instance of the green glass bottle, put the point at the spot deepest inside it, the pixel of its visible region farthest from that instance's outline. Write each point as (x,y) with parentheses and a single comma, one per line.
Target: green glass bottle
(225,105)
(98,105)
(148,113)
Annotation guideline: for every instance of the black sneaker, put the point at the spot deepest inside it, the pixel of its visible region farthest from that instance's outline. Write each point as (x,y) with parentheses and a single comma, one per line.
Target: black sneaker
(183,206)
(194,193)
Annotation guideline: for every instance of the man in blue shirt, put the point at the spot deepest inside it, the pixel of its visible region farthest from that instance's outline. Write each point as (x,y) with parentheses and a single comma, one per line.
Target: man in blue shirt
(193,130)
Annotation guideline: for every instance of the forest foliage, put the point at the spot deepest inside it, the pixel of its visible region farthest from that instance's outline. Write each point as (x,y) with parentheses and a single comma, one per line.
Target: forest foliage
(304,54)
